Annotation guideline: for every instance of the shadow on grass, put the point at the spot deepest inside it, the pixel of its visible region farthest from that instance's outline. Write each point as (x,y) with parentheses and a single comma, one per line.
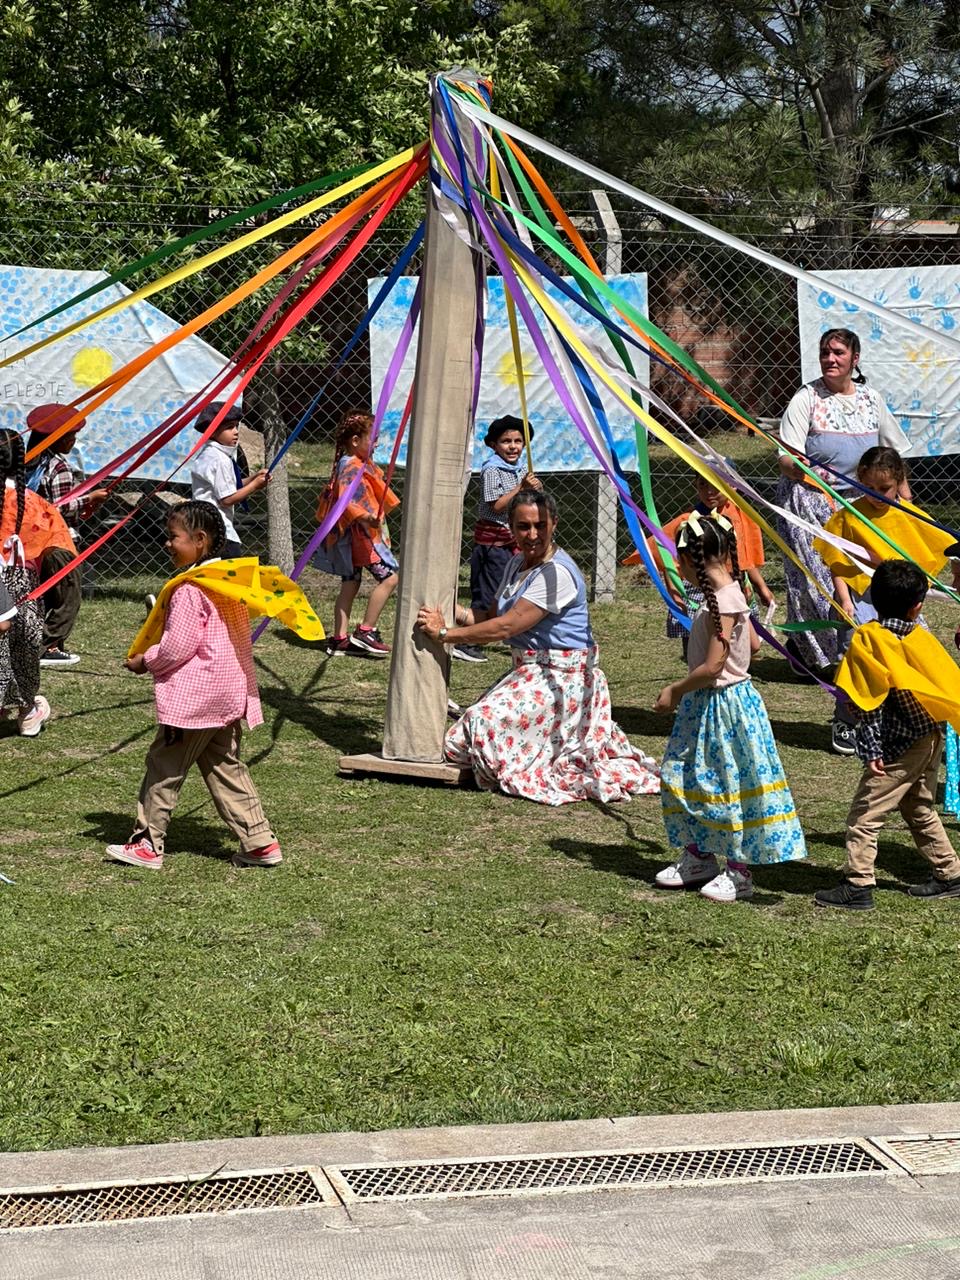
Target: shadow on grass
(642,721)
(345,731)
(900,860)
(803,734)
(777,671)
(187,834)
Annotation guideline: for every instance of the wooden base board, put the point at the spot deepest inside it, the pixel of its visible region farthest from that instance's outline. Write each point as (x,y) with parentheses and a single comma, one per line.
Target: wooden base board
(415,770)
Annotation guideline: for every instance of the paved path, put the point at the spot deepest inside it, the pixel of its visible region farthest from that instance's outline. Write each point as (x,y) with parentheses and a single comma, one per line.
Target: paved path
(876,1228)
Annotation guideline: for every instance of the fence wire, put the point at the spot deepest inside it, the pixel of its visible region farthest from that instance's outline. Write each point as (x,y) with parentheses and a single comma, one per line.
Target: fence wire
(737,318)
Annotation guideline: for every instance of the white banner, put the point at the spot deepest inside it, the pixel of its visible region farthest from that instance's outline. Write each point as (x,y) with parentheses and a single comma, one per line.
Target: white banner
(557,444)
(916,375)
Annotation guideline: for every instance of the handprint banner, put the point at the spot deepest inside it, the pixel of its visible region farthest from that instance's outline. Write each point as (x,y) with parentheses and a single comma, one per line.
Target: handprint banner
(557,445)
(916,375)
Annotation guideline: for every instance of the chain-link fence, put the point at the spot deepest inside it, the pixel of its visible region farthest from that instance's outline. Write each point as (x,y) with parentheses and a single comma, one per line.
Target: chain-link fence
(738,318)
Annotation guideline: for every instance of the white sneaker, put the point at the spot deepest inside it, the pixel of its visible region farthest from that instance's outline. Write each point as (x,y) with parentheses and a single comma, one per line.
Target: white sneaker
(33,720)
(688,873)
(728,886)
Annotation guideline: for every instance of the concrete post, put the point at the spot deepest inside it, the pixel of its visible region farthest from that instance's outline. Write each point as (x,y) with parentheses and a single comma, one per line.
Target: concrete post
(604,559)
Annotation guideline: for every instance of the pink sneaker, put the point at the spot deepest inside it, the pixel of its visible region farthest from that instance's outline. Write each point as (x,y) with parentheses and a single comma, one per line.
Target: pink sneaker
(136,853)
(33,721)
(268,856)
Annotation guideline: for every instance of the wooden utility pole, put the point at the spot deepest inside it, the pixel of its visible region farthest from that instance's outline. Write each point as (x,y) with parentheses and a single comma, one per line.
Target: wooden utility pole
(438,453)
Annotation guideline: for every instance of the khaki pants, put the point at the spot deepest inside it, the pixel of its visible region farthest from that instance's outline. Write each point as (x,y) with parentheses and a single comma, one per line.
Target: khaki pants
(215,752)
(910,785)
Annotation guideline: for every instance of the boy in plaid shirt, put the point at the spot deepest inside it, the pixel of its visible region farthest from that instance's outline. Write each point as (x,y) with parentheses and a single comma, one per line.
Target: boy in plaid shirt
(905,684)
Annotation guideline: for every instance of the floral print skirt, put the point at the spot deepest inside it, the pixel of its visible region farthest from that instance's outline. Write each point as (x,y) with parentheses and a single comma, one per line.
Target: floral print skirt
(22,644)
(722,785)
(817,649)
(544,732)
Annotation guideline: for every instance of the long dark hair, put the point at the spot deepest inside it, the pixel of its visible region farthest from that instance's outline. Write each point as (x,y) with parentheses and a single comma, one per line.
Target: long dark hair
(707,539)
(12,467)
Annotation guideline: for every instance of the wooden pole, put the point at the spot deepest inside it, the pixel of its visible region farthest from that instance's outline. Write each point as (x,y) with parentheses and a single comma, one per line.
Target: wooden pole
(438,453)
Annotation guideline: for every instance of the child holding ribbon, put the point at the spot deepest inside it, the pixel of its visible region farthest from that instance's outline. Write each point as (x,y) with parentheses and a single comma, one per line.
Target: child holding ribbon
(722,785)
(359,540)
(196,645)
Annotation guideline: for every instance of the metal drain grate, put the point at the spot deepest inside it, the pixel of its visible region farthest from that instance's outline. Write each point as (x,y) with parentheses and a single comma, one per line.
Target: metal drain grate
(70,1206)
(589,1170)
(929,1154)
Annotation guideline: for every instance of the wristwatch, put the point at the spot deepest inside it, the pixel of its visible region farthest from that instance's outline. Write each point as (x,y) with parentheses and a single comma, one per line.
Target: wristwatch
(442,634)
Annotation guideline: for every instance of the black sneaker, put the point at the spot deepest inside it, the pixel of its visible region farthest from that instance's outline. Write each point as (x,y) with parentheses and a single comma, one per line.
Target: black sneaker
(843,739)
(468,653)
(59,658)
(854,897)
(338,646)
(935,888)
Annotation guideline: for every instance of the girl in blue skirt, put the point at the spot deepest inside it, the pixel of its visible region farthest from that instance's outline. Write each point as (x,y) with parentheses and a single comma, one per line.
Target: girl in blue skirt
(722,785)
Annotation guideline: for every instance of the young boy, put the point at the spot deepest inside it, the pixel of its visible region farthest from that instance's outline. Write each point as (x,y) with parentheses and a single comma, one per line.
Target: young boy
(52,476)
(905,684)
(215,474)
(502,474)
(749,551)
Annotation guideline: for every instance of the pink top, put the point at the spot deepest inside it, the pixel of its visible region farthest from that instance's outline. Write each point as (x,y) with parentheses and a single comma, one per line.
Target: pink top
(202,668)
(730,599)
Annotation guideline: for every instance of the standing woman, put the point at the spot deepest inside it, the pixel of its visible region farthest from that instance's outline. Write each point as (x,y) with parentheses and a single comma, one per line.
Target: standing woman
(833,420)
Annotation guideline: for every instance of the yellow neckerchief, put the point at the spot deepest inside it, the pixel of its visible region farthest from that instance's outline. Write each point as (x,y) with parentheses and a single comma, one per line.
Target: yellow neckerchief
(879,661)
(261,587)
(920,542)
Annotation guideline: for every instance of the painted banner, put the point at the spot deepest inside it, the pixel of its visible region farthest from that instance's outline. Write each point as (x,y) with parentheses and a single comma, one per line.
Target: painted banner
(917,376)
(65,369)
(557,445)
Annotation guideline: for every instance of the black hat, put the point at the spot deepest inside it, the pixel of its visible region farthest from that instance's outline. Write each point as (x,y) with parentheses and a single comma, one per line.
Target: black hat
(207,415)
(500,426)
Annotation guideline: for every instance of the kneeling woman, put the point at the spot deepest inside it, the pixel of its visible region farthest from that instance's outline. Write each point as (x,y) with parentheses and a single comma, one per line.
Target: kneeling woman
(544,731)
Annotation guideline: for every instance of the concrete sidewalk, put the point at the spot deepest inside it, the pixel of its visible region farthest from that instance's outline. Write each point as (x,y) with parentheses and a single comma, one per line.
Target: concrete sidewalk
(868,1228)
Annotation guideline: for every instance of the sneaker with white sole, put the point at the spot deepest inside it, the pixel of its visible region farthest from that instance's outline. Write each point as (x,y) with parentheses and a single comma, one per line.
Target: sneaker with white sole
(688,872)
(33,721)
(843,738)
(729,886)
(268,855)
(367,640)
(58,658)
(468,653)
(136,853)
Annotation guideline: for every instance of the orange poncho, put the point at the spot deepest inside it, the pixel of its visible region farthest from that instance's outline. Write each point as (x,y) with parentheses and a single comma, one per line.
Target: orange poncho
(42,526)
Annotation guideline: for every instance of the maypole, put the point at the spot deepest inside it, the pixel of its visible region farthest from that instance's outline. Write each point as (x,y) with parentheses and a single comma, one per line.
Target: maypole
(438,455)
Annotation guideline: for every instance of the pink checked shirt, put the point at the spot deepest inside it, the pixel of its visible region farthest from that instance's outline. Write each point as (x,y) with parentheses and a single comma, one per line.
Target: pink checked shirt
(203,666)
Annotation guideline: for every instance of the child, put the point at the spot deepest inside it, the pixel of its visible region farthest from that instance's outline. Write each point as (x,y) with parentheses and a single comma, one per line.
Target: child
(359,540)
(722,784)
(215,474)
(904,683)
(30,531)
(204,684)
(883,470)
(52,476)
(502,475)
(749,542)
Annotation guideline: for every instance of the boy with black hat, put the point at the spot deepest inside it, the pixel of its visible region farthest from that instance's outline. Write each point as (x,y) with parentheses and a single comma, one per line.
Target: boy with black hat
(502,475)
(215,473)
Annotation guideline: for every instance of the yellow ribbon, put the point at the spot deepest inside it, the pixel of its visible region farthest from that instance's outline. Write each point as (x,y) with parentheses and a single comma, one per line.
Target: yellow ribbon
(261,587)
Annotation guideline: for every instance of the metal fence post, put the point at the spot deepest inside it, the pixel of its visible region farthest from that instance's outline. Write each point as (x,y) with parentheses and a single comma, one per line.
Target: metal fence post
(604,558)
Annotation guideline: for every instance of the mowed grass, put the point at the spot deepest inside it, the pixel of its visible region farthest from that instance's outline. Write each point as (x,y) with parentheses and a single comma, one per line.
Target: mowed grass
(424,955)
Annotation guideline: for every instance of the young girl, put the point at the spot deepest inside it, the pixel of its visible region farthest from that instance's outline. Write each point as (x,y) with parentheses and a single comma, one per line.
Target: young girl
(30,530)
(359,540)
(722,784)
(196,645)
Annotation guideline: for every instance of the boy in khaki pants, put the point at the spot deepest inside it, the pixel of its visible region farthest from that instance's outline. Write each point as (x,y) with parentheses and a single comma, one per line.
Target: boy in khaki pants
(905,684)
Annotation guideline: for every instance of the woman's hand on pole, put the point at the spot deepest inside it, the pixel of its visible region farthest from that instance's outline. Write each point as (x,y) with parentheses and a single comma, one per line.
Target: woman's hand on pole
(430,621)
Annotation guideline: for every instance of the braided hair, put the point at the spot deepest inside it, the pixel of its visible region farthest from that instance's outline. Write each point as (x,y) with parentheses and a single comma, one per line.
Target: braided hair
(195,516)
(12,467)
(712,542)
(353,423)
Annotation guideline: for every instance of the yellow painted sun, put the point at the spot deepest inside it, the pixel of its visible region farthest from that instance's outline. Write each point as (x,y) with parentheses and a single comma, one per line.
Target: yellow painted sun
(90,366)
(507,369)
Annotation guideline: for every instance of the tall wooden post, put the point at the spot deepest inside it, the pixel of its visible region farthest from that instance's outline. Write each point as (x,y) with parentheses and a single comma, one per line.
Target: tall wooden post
(440,441)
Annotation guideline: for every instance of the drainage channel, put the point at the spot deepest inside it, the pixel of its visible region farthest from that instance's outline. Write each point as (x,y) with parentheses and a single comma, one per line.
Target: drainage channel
(44,1207)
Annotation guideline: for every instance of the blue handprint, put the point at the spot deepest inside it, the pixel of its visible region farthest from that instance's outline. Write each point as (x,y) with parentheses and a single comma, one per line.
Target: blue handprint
(876,329)
(826,300)
(947,320)
(915,316)
(935,443)
(916,289)
(880,295)
(850,307)
(940,299)
(916,402)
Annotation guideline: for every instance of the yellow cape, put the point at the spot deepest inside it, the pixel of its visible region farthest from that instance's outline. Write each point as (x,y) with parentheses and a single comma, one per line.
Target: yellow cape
(261,587)
(878,661)
(922,543)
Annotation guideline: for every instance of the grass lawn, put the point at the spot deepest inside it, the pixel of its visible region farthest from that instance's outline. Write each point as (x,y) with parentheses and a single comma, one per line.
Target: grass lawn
(427,956)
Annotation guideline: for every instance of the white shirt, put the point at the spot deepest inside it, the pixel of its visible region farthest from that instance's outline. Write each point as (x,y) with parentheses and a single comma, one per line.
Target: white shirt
(212,477)
(795,423)
(552,589)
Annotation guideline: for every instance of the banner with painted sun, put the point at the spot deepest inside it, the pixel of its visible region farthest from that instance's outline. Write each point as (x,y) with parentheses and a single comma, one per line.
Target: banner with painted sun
(80,361)
(557,444)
